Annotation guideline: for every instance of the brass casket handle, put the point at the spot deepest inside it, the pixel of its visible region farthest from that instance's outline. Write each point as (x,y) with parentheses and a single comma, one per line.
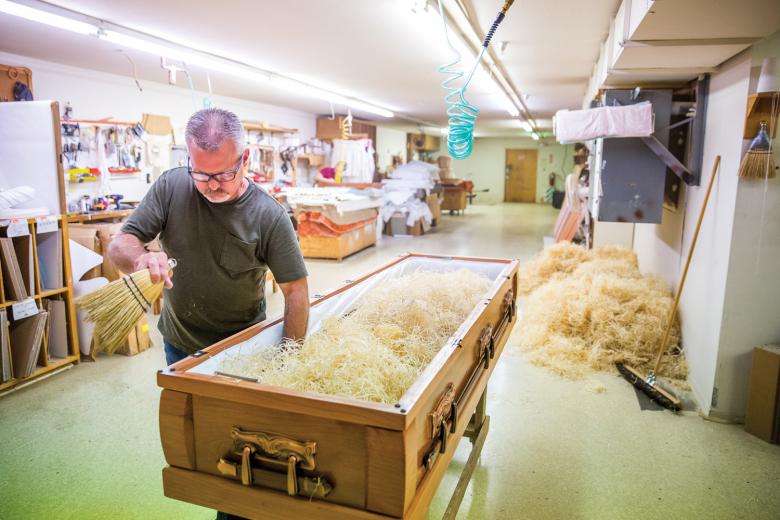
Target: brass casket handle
(250,446)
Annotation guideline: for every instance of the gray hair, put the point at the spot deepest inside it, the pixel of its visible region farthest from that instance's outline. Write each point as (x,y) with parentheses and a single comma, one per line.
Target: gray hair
(208,128)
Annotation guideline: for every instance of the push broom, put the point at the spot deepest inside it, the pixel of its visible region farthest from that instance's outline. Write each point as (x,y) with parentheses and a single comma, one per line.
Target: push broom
(649,385)
(117,307)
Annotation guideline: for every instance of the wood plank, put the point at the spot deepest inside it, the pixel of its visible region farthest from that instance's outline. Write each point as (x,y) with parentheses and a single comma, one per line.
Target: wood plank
(73,334)
(176,429)
(284,399)
(99,215)
(386,490)
(252,502)
(52,366)
(60,180)
(340,453)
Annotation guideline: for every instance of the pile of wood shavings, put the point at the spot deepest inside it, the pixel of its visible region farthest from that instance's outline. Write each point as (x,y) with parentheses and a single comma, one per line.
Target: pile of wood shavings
(591,309)
(376,351)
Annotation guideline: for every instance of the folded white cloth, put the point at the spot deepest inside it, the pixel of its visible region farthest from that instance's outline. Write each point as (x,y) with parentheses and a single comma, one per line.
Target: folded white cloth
(15,196)
(621,121)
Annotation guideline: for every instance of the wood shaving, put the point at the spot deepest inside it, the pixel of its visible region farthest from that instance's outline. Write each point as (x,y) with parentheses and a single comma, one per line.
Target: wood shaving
(591,309)
(379,348)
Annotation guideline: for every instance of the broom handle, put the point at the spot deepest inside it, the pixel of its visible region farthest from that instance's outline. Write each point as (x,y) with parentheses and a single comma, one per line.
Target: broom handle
(667,332)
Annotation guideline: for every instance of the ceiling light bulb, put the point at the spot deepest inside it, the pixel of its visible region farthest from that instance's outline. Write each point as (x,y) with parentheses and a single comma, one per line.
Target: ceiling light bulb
(535,136)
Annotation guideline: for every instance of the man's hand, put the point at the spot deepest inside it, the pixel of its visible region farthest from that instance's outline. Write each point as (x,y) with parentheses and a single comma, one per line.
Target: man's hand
(157,263)
(128,254)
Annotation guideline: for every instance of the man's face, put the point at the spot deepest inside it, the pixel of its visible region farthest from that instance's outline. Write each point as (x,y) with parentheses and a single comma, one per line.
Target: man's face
(223,159)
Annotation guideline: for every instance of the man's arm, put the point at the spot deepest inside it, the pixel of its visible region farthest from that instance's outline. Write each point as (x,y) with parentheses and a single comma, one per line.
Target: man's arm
(129,255)
(296,308)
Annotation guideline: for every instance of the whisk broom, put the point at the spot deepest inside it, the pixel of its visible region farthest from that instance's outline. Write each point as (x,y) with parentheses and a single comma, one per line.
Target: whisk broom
(117,307)
(758,162)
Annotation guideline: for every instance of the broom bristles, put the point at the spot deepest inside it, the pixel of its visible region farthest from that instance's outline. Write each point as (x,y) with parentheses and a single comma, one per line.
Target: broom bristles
(117,307)
(757,164)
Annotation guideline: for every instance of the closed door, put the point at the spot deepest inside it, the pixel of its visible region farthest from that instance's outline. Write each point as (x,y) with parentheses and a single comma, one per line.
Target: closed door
(520,178)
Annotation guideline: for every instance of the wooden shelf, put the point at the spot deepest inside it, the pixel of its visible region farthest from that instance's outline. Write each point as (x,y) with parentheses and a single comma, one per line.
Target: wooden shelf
(65,294)
(100,215)
(51,292)
(39,371)
(44,294)
(260,127)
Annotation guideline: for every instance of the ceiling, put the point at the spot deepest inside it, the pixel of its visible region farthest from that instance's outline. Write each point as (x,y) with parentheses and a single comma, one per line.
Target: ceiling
(379,50)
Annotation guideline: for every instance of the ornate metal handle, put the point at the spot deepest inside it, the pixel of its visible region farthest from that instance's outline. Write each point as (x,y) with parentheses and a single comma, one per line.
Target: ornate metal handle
(444,416)
(250,446)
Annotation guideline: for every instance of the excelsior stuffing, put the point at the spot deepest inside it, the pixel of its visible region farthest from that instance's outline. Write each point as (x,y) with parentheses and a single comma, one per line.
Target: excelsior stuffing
(376,351)
(591,309)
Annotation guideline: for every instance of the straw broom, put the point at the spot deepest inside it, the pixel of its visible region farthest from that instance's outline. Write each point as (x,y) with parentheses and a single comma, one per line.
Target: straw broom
(649,385)
(758,162)
(117,307)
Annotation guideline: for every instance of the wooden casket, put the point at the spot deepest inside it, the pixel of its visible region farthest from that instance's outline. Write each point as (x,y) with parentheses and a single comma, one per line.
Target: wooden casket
(262,451)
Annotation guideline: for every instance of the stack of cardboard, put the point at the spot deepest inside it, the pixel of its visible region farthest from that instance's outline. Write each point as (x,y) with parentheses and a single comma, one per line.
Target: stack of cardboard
(138,340)
(445,166)
(26,340)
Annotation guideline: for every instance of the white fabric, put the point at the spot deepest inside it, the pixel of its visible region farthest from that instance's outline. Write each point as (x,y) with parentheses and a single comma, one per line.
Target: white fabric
(344,302)
(15,196)
(622,121)
(358,157)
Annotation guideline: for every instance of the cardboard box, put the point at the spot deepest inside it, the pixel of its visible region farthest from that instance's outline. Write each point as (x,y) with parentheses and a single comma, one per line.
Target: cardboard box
(138,340)
(97,237)
(87,237)
(396,226)
(434,204)
(762,418)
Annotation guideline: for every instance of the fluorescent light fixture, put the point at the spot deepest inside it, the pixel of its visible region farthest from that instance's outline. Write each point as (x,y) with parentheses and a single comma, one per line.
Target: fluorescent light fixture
(185,55)
(535,136)
(174,51)
(527,126)
(45,17)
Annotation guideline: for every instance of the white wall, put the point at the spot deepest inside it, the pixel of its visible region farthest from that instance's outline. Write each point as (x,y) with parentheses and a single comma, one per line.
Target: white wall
(96,95)
(751,316)
(389,142)
(662,248)
(487,165)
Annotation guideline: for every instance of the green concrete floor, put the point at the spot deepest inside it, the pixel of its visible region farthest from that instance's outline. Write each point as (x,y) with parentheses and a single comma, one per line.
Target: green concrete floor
(84,444)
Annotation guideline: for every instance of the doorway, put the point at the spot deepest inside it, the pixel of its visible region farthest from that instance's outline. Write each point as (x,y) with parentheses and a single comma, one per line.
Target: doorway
(520,176)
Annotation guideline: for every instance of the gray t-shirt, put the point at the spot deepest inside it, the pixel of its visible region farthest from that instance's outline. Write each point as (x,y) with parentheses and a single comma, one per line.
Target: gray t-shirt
(223,253)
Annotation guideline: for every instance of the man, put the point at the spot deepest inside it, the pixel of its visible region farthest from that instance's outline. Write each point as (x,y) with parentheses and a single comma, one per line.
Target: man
(224,232)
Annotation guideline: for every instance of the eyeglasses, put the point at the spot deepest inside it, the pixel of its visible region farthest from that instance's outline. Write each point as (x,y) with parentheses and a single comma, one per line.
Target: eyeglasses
(225,176)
